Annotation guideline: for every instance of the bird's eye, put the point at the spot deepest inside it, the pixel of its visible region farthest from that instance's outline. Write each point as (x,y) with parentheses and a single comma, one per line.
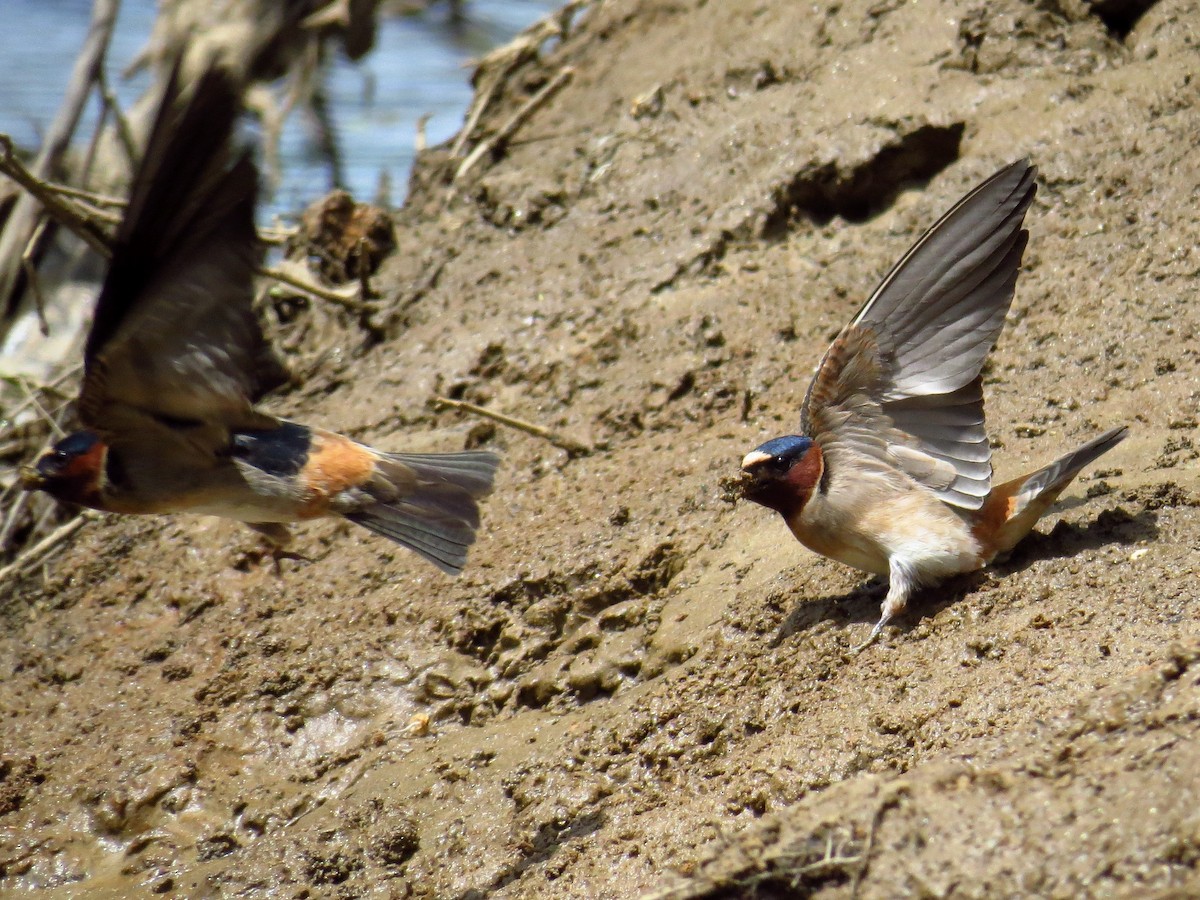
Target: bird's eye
(780,464)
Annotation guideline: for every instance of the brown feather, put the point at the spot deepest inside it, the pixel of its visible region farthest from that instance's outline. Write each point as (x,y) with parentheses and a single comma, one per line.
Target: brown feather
(174,333)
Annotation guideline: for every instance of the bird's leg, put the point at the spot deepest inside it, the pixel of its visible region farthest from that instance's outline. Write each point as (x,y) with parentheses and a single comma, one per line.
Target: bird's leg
(277,536)
(901,585)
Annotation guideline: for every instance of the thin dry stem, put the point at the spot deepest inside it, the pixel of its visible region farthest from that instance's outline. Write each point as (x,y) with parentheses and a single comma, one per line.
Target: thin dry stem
(514,123)
(33,555)
(32,400)
(61,210)
(570,444)
(495,68)
(51,387)
(124,132)
(89,197)
(890,800)
(420,141)
(23,217)
(349,299)
(31,275)
(277,234)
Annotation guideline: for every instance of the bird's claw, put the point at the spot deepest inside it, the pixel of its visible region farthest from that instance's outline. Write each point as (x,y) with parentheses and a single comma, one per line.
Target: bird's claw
(249,558)
(278,554)
(875,632)
(274,543)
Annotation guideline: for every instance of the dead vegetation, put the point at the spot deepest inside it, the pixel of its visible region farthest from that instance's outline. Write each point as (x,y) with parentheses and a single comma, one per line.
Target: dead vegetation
(639,688)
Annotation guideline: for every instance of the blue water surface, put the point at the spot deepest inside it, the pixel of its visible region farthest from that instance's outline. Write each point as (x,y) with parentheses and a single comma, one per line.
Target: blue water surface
(419,65)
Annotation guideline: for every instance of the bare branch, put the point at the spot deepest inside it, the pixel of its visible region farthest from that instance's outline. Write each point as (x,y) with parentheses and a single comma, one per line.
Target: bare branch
(31,275)
(570,444)
(124,132)
(348,298)
(519,118)
(41,192)
(23,218)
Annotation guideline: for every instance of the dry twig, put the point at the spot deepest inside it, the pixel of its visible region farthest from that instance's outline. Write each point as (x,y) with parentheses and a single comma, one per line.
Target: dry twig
(277,234)
(51,387)
(891,799)
(82,221)
(19,437)
(420,141)
(31,276)
(496,67)
(21,220)
(570,444)
(88,198)
(63,211)
(32,399)
(42,548)
(519,118)
(121,124)
(348,298)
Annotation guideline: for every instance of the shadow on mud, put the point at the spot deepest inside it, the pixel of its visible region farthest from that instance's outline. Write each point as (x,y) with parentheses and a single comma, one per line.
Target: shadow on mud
(1111,526)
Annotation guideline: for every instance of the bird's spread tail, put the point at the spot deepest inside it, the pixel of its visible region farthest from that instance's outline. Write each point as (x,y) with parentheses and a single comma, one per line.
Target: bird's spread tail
(427,502)
(1012,508)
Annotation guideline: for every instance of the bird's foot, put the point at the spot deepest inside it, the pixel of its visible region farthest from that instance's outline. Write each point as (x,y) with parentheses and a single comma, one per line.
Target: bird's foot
(278,554)
(274,545)
(252,557)
(875,632)
(894,604)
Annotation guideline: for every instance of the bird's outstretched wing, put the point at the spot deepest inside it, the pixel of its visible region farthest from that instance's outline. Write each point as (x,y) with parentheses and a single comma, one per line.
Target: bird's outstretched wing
(900,386)
(174,336)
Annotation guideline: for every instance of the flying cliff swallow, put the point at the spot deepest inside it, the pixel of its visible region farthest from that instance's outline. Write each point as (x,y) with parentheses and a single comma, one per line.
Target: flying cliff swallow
(891,472)
(176,359)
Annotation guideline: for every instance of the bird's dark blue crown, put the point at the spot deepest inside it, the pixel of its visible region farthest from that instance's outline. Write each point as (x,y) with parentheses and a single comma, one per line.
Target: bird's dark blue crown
(76,444)
(793,446)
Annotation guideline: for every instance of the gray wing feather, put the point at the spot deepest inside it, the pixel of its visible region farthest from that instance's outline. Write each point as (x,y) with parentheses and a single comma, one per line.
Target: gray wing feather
(905,372)
(427,502)
(944,350)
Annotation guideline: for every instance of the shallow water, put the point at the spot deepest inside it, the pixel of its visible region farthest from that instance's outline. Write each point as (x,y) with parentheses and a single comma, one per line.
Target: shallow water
(419,65)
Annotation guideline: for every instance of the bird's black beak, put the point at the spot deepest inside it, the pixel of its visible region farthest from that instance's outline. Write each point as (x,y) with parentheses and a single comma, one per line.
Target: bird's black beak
(32,479)
(755,476)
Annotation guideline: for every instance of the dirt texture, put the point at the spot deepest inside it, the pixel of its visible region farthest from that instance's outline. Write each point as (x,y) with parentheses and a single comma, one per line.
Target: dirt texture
(639,686)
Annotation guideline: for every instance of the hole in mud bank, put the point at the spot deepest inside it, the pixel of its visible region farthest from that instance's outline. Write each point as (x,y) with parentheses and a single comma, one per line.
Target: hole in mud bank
(1121,16)
(820,195)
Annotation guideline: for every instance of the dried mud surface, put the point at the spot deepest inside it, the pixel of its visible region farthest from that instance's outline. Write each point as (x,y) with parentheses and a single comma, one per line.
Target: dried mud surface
(640,687)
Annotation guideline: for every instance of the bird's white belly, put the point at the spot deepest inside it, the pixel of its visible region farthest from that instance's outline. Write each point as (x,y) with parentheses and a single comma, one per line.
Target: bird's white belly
(258,510)
(869,530)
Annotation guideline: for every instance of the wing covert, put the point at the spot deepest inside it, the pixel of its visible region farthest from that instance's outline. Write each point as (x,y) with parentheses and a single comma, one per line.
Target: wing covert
(900,386)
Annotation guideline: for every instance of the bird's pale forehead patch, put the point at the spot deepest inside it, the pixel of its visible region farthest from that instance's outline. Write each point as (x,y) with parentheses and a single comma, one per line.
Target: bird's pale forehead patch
(754,457)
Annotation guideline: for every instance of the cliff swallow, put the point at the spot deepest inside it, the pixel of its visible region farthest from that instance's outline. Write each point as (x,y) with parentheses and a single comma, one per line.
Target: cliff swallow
(176,359)
(891,472)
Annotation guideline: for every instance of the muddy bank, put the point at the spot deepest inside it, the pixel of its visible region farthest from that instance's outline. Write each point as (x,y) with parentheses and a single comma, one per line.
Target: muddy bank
(639,686)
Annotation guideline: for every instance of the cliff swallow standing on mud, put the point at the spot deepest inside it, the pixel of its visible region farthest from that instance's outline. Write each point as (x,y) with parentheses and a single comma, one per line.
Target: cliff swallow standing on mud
(891,472)
(176,359)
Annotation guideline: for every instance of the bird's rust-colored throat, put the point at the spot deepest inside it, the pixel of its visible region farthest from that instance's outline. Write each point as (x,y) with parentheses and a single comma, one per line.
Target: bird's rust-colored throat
(72,476)
(804,475)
